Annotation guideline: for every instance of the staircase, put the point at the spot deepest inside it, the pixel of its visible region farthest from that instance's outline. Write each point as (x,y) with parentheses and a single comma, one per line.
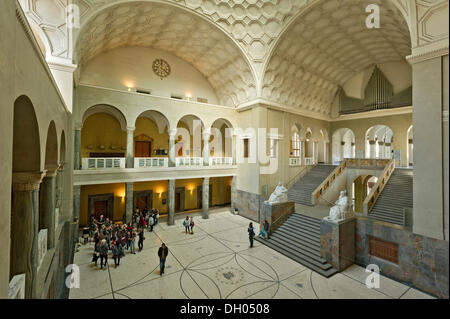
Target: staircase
(301,192)
(299,239)
(396,195)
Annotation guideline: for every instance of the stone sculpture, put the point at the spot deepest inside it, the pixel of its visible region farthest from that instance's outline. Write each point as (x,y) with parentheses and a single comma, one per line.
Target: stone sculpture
(279,195)
(338,211)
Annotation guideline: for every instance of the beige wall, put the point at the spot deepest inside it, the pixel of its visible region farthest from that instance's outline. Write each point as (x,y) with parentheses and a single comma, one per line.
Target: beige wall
(132,67)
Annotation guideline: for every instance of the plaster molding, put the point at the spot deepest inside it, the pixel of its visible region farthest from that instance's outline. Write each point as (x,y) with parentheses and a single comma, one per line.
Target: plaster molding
(430,51)
(27,181)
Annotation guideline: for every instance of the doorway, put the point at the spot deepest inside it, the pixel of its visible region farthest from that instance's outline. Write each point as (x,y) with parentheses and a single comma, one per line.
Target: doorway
(179,199)
(143,199)
(142,149)
(101,205)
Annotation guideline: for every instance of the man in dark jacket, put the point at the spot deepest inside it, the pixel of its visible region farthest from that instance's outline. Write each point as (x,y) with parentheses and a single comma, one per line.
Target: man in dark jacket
(266,228)
(162,253)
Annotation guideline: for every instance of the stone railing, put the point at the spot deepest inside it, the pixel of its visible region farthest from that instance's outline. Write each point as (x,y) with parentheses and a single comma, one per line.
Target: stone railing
(16,288)
(102,163)
(295,161)
(151,162)
(220,161)
(189,161)
(369,163)
(309,161)
(327,182)
(42,245)
(371,199)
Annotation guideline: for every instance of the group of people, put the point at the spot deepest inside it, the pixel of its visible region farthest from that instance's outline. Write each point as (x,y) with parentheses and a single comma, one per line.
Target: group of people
(118,239)
(264,230)
(189,224)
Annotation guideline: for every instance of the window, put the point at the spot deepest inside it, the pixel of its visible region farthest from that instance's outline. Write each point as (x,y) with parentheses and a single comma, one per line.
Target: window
(245,147)
(296,145)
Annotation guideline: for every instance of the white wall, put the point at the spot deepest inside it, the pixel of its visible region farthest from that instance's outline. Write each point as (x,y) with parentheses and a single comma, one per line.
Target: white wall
(132,67)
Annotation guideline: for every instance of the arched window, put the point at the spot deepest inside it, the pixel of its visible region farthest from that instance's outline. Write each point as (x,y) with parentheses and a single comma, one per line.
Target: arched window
(296,145)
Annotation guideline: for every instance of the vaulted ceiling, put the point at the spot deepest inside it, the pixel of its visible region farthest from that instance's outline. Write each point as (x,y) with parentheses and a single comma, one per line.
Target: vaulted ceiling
(295,53)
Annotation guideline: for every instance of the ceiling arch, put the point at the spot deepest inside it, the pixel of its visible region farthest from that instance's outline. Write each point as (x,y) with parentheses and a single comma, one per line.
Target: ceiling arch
(326,45)
(177,31)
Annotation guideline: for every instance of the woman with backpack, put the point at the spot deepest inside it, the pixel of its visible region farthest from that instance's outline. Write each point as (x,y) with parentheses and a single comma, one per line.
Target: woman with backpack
(186,224)
(103,251)
(117,252)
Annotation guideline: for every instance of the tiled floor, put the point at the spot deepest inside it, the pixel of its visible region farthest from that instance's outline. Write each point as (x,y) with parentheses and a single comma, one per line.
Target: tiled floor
(216,262)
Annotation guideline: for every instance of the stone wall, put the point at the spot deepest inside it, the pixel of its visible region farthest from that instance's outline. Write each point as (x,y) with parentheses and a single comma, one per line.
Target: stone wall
(248,205)
(277,213)
(423,262)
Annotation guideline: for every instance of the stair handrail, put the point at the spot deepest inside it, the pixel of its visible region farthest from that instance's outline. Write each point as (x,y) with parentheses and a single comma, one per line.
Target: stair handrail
(376,190)
(317,193)
(299,175)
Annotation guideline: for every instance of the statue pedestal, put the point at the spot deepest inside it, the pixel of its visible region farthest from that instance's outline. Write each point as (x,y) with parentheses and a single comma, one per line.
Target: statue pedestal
(337,242)
(276,213)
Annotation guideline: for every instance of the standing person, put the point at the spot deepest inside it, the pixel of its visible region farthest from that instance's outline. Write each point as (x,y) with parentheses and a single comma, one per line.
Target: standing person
(103,250)
(117,252)
(141,239)
(192,224)
(162,254)
(267,228)
(251,234)
(156,216)
(186,225)
(133,242)
(151,222)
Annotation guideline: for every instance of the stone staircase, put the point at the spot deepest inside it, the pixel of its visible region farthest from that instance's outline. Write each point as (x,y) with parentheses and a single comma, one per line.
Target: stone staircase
(299,239)
(301,192)
(396,195)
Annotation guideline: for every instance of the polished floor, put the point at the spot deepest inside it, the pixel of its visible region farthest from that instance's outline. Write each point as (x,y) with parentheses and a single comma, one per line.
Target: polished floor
(216,262)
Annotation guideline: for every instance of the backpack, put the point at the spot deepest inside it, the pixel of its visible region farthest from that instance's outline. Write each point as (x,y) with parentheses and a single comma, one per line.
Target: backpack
(184,223)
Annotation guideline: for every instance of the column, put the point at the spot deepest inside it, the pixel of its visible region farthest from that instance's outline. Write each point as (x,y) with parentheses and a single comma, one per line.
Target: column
(233,192)
(430,86)
(25,228)
(48,190)
(172,137)
(205,199)
(128,202)
(171,202)
(303,151)
(76,211)
(233,148)
(372,145)
(59,192)
(342,151)
(130,147)
(206,136)
(382,150)
(77,149)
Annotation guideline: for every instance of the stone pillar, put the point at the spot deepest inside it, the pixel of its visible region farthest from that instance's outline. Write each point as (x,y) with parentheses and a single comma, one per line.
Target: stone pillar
(233,148)
(382,150)
(206,136)
(205,198)
(130,147)
(429,87)
(76,212)
(25,228)
(303,151)
(171,202)
(372,147)
(342,151)
(128,202)
(233,192)
(48,190)
(172,137)
(77,149)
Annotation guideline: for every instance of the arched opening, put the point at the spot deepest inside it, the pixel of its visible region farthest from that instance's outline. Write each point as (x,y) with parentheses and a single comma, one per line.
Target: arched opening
(410,147)
(151,140)
(25,193)
(379,139)
(189,138)
(322,152)
(221,141)
(296,143)
(103,135)
(309,145)
(343,141)
(62,148)
(360,189)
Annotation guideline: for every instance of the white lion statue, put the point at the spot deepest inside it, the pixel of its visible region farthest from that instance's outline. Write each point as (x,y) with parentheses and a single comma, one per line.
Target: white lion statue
(279,195)
(338,211)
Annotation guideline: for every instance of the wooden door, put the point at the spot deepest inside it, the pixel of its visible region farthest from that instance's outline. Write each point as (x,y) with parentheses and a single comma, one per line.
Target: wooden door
(141,202)
(177,202)
(142,149)
(100,208)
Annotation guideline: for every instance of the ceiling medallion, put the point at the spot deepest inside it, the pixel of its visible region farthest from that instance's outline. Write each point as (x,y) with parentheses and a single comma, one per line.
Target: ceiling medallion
(161,68)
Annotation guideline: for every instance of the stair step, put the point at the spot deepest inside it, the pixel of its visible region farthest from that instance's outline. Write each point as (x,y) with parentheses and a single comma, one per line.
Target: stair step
(313,255)
(313,243)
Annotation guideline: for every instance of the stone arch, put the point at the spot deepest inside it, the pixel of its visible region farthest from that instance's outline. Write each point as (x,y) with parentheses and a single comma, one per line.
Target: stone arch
(189,136)
(379,139)
(62,148)
(343,144)
(26,140)
(221,140)
(214,52)
(108,109)
(51,147)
